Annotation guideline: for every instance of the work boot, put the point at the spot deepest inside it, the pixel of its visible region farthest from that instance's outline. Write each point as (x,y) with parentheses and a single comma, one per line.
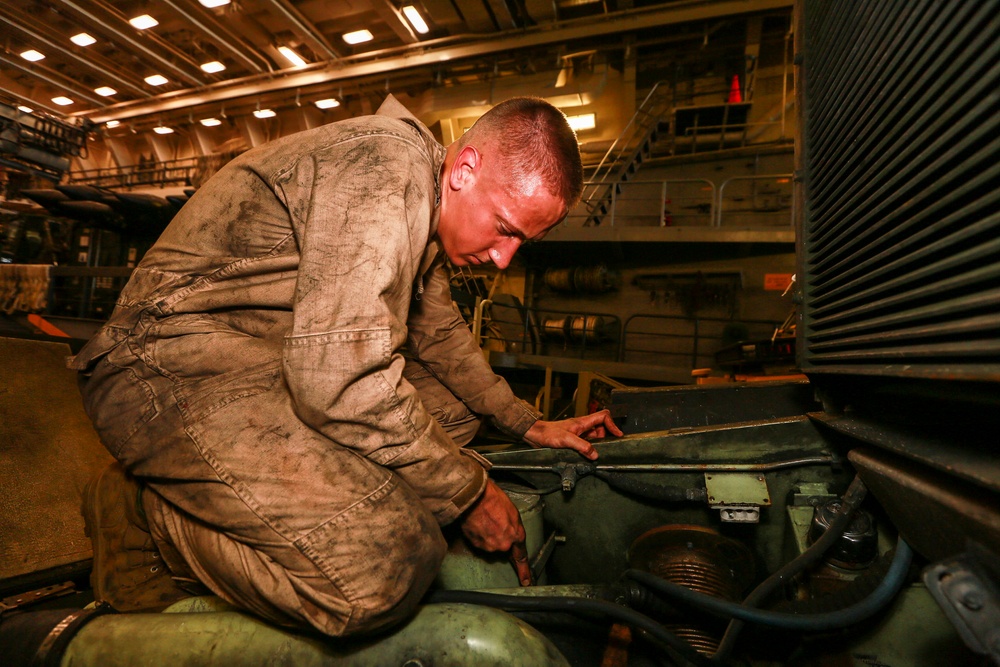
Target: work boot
(128,570)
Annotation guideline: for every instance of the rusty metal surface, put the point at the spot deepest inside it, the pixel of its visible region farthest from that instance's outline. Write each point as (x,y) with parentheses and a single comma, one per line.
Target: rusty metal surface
(949,445)
(936,513)
(640,409)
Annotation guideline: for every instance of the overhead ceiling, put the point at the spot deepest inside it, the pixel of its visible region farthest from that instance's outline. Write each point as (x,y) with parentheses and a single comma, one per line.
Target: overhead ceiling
(467,42)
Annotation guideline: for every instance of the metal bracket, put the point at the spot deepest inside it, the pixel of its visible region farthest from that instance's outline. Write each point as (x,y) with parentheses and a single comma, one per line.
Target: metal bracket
(737,496)
(38,595)
(969,597)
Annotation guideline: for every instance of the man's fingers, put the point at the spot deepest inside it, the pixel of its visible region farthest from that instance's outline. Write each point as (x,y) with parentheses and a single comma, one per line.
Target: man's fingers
(519,557)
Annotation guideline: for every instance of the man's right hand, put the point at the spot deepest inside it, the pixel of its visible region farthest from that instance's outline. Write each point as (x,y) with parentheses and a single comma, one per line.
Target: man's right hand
(494,524)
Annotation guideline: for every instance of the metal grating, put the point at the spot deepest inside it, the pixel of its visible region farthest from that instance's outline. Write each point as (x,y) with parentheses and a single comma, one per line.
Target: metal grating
(900,238)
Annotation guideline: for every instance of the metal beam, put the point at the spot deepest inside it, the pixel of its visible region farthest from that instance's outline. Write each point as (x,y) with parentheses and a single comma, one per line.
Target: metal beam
(435,52)
(123,37)
(394,18)
(213,34)
(47,78)
(58,113)
(88,63)
(305,28)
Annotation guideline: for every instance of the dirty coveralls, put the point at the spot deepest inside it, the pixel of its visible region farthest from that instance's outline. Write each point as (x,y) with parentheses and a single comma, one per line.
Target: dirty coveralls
(252,376)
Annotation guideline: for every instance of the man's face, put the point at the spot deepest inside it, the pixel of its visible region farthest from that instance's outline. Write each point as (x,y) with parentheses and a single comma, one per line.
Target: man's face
(485,217)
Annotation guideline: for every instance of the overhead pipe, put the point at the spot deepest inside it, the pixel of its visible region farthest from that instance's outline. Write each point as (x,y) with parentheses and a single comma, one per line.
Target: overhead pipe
(132,42)
(55,47)
(303,25)
(433,53)
(194,20)
(49,80)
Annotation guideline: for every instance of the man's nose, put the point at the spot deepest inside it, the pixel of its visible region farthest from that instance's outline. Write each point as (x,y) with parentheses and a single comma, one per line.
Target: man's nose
(503,252)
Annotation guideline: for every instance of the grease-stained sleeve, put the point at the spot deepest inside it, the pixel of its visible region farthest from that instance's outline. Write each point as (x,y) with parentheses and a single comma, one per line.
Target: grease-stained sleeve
(440,338)
(360,212)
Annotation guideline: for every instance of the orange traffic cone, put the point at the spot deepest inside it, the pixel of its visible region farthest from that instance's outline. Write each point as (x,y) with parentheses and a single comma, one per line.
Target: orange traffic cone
(735,96)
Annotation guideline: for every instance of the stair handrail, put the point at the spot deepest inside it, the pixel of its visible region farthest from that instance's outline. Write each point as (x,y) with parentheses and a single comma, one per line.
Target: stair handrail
(641,112)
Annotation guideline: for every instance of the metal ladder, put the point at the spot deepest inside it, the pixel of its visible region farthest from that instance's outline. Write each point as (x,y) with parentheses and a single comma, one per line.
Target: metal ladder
(623,159)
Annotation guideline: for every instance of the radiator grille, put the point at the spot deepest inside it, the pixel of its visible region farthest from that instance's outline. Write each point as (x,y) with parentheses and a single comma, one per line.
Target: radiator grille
(900,238)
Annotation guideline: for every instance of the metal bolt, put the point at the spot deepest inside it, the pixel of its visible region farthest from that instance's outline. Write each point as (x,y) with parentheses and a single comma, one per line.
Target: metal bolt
(973,601)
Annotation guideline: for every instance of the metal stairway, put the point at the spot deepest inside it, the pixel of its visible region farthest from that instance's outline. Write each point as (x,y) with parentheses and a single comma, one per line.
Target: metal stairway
(623,159)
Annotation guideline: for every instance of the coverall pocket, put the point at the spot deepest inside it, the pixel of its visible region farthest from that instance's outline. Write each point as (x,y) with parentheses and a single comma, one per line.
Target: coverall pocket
(197,400)
(119,397)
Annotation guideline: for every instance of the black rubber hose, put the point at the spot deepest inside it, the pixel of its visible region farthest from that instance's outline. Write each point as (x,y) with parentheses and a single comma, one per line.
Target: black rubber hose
(889,587)
(576,605)
(663,492)
(852,499)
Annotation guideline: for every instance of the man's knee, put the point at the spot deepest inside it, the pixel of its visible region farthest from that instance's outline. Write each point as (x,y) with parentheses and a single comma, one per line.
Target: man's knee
(380,557)
(391,601)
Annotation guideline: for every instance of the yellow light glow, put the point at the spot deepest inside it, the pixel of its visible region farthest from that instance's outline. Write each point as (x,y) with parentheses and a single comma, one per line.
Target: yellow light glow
(292,57)
(82,39)
(212,67)
(415,19)
(328,103)
(357,37)
(586,121)
(143,22)
(105,91)
(156,80)
(32,55)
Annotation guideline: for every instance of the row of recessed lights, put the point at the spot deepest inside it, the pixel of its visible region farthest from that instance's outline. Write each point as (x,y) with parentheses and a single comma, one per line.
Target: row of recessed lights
(578,123)
(328,103)
(145,21)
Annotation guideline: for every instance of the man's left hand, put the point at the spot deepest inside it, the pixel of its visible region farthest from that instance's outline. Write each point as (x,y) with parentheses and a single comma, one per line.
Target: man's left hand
(573,433)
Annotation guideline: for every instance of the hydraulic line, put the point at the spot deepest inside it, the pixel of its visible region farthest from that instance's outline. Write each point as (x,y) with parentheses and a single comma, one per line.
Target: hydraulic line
(852,499)
(576,605)
(887,589)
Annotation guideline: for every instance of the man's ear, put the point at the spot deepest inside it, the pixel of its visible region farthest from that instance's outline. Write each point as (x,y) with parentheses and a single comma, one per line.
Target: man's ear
(465,168)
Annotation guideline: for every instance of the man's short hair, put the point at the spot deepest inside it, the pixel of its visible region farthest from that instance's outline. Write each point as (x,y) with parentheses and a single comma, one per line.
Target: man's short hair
(532,137)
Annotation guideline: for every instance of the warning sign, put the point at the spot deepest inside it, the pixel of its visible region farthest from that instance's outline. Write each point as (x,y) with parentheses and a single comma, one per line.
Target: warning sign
(777,282)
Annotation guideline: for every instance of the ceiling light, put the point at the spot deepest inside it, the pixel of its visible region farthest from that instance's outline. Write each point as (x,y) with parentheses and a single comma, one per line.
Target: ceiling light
(292,57)
(264,113)
(112,123)
(156,80)
(25,109)
(32,55)
(143,22)
(82,39)
(105,91)
(357,36)
(328,103)
(162,129)
(585,121)
(415,19)
(213,3)
(62,100)
(213,67)
(210,122)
